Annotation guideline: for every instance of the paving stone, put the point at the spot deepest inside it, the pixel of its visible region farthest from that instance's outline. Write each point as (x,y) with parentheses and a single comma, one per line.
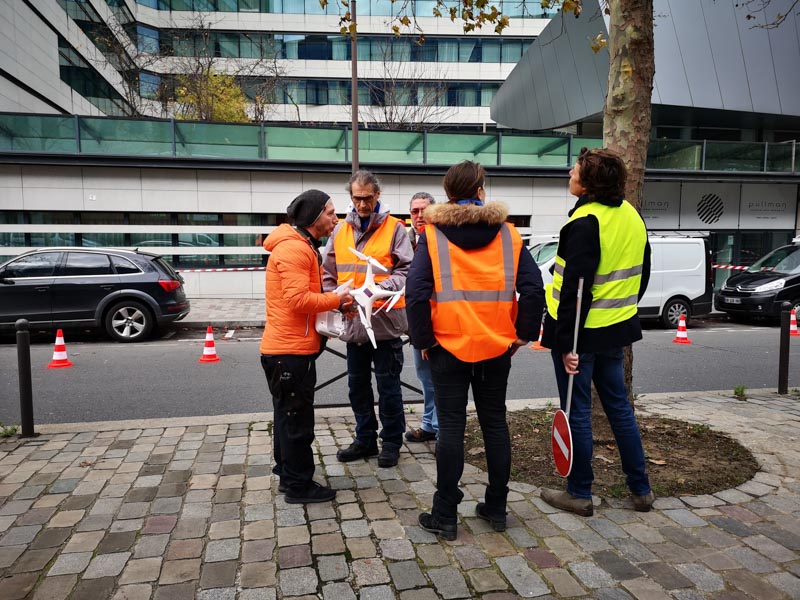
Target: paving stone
(259,530)
(34,560)
(751,585)
(331,568)
(685,518)
(397,549)
(141,570)
(224,529)
(787,583)
(432,555)
(293,536)
(140,591)
(616,566)
(731,525)
(406,575)
(218,574)
(666,576)
(181,591)
(486,580)
(55,588)
(423,594)
(221,550)
(644,589)
(523,579)
(338,591)
(159,524)
(258,594)
(149,546)
(217,594)
(751,560)
(289,518)
(590,575)
(329,543)
(296,582)
(564,585)
(51,538)
(178,571)
(702,577)
(258,574)
(107,565)
(769,548)
(355,528)
(449,583)
(17,536)
(67,564)
(9,554)
(116,542)
(18,586)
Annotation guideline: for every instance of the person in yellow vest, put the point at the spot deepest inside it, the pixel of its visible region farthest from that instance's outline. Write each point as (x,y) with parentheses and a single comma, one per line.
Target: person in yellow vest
(370,229)
(605,242)
(465,317)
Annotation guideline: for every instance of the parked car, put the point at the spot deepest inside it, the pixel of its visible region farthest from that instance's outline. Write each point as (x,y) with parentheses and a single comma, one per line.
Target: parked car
(126,292)
(764,286)
(681,281)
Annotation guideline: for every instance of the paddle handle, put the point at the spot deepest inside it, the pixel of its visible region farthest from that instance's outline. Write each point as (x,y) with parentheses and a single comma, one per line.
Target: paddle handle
(575,343)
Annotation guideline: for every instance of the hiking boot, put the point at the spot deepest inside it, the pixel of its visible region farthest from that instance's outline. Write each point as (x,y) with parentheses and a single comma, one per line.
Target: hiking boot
(355,451)
(388,457)
(419,435)
(498,524)
(430,523)
(313,493)
(566,501)
(643,503)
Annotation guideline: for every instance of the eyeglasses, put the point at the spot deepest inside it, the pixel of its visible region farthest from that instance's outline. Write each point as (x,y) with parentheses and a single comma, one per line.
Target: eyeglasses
(363,199)
(417,211)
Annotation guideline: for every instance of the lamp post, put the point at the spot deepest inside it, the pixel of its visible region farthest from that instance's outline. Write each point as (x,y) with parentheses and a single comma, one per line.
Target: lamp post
(354,82)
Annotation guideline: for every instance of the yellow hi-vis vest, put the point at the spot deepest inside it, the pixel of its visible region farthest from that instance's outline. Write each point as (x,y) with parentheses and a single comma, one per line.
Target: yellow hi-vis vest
(474,301)
(378,246)
(615,292)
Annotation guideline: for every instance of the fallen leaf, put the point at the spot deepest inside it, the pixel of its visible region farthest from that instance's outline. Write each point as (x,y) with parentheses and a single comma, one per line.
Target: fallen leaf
(611,447)
(604,459)
(475,451)
(656,461)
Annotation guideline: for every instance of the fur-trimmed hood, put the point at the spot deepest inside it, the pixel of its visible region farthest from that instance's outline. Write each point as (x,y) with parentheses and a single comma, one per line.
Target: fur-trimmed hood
(468,226)
(458,215)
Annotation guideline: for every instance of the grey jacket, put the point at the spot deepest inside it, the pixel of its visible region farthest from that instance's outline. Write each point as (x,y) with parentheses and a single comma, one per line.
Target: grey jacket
(386,326)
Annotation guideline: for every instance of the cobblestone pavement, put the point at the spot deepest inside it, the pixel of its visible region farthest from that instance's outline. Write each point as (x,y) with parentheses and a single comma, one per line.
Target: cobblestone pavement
(192,511)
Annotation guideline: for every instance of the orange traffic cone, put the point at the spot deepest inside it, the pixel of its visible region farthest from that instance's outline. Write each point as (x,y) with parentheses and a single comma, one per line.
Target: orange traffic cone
(537,345)
(793,325)
(60,360)
(681,337)
(209,350)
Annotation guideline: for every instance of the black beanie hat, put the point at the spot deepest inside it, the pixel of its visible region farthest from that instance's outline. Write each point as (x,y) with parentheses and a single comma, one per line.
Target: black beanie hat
(307,207)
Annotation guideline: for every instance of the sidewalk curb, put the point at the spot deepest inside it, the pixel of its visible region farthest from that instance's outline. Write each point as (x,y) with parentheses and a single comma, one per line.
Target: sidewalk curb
(319,412)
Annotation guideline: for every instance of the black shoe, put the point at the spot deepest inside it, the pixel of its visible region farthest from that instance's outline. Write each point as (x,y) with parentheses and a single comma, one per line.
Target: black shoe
(419,435)
(282,488)
(313,493)
(482,513)
(388,457)
(355,451)
(429,523)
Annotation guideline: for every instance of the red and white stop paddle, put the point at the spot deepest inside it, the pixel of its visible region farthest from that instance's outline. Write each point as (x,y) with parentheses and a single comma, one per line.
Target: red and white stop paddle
(561,433)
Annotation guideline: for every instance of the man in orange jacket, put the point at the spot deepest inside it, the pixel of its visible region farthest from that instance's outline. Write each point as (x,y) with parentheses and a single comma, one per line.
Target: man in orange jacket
(291,344)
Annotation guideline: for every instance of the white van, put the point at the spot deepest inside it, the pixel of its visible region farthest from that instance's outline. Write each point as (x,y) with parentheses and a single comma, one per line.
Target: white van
(681,281)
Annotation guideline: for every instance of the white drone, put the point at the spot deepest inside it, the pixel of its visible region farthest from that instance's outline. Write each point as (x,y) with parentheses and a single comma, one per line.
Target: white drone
(366,295)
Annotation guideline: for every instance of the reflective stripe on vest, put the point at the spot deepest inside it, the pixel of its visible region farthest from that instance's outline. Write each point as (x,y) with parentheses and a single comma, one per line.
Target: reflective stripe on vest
(378,246)
(615,291)
(471,323)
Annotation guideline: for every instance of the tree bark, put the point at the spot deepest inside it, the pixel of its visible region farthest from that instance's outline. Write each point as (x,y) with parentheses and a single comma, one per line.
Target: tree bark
(627,113)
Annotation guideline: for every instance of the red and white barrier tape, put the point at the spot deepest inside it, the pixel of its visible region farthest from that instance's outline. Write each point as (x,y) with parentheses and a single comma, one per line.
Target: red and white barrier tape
(730,267)
(229,270)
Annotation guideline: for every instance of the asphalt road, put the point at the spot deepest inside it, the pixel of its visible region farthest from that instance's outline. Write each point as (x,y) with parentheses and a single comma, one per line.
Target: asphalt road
(163,378)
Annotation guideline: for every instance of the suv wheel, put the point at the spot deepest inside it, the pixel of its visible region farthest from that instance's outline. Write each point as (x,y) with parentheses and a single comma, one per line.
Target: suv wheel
(129,321)
(673,309)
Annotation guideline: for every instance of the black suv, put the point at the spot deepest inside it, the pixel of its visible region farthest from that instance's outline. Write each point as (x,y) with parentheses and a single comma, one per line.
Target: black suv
(764,286)
(126,292)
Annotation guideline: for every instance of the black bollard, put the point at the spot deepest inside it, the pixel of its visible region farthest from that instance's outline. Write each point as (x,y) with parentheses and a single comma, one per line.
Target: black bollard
(25,387)
(783,355)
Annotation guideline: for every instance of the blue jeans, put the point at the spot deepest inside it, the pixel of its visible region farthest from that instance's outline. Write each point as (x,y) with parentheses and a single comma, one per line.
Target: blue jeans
(429,421)
(605,370)
(452,379)
(388,359)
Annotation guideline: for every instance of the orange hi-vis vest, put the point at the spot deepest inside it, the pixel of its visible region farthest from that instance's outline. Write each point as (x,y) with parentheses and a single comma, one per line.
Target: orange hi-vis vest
(378,246)
(474,301)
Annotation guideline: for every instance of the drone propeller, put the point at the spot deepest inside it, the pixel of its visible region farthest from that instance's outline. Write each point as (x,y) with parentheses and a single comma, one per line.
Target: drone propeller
(370,260)
(394,300)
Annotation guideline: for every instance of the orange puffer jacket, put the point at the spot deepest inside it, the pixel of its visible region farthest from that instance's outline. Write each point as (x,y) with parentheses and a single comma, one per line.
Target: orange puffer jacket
(294,294)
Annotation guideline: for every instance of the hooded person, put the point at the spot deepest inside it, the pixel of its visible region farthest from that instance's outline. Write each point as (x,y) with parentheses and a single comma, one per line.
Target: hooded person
(291,344)
(474,296)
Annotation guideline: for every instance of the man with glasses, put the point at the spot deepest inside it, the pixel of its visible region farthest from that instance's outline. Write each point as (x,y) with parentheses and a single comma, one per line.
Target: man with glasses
(430,424)
(370,229)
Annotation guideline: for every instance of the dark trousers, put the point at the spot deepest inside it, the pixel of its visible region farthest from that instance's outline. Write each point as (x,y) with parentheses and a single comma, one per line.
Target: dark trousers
(452,379)
(388,359)
(291,379)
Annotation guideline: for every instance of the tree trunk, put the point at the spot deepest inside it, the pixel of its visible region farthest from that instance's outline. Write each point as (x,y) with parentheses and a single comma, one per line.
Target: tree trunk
(627,113)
